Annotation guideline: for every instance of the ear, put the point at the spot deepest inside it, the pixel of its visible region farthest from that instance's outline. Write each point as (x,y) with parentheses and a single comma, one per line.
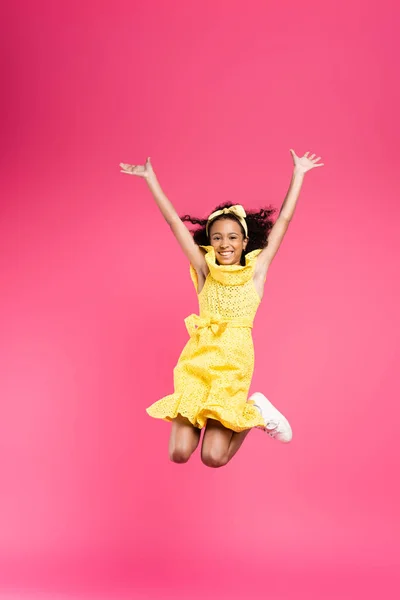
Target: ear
(245,242)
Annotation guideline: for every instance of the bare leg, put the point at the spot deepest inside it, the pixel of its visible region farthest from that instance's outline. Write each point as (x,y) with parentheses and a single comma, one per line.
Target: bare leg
(236,441)
(183,440)
(220,444)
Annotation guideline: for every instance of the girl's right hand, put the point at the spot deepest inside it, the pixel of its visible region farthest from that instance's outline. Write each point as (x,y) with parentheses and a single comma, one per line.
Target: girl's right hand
(145,170)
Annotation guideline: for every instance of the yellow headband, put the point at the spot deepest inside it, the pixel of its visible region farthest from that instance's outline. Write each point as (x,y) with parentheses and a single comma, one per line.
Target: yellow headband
(237,210)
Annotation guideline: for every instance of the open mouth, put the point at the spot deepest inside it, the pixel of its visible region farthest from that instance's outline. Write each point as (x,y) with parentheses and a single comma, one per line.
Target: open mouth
(226,254)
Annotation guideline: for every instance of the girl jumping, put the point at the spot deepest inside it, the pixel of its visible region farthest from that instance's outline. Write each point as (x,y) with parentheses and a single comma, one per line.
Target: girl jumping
(229,254)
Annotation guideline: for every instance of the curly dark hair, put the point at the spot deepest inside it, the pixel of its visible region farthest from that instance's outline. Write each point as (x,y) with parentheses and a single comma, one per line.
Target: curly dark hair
(259,224)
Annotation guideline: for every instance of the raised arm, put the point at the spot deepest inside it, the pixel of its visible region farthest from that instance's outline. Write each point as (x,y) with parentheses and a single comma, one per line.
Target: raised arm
(278,231)
(179,229)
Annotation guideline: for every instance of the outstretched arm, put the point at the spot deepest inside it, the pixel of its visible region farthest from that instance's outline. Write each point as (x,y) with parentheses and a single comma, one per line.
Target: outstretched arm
(179,229)
(278,231)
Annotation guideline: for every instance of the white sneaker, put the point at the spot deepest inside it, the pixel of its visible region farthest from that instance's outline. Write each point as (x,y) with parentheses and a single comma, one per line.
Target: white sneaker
(276,425)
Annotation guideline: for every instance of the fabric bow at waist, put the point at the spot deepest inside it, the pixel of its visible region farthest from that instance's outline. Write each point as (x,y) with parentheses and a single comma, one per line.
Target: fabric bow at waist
(216,323)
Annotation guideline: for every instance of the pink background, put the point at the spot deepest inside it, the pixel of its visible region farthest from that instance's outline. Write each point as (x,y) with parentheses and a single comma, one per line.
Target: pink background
(94,292)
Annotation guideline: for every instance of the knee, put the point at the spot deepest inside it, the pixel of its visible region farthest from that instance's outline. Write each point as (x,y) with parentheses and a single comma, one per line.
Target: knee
(214,459)
(179,455)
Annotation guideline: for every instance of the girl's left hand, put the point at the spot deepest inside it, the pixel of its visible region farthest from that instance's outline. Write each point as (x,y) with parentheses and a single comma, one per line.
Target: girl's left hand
(305,163)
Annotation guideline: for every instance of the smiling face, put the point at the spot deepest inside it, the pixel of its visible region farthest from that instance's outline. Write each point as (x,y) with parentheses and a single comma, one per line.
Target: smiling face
(226,237)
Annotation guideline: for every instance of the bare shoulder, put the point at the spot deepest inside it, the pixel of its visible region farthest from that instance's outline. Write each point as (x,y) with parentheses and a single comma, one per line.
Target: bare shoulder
(202,271)
(262,265)
(260,276)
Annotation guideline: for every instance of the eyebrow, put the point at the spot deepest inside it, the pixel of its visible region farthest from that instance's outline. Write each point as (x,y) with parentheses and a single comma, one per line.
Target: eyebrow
(230,233)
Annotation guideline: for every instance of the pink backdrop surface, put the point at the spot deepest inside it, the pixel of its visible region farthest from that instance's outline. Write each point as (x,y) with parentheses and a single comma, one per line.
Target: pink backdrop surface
(94,291)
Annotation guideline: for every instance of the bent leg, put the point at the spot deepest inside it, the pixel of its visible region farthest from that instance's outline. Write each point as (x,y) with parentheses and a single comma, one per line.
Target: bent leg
(183,440)
(220,444)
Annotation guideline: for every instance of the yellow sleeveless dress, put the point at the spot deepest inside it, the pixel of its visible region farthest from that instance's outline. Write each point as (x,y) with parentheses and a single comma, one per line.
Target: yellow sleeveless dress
(214,371)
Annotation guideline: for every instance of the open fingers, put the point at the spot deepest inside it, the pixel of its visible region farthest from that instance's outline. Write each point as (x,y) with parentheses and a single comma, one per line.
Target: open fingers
(132,169)
(316,163)
(314,159)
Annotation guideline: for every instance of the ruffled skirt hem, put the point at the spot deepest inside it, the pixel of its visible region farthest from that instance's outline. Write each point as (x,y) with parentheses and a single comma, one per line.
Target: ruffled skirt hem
(239,417)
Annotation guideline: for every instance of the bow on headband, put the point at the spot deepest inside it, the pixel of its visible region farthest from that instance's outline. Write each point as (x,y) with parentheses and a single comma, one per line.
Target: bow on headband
(237,210)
